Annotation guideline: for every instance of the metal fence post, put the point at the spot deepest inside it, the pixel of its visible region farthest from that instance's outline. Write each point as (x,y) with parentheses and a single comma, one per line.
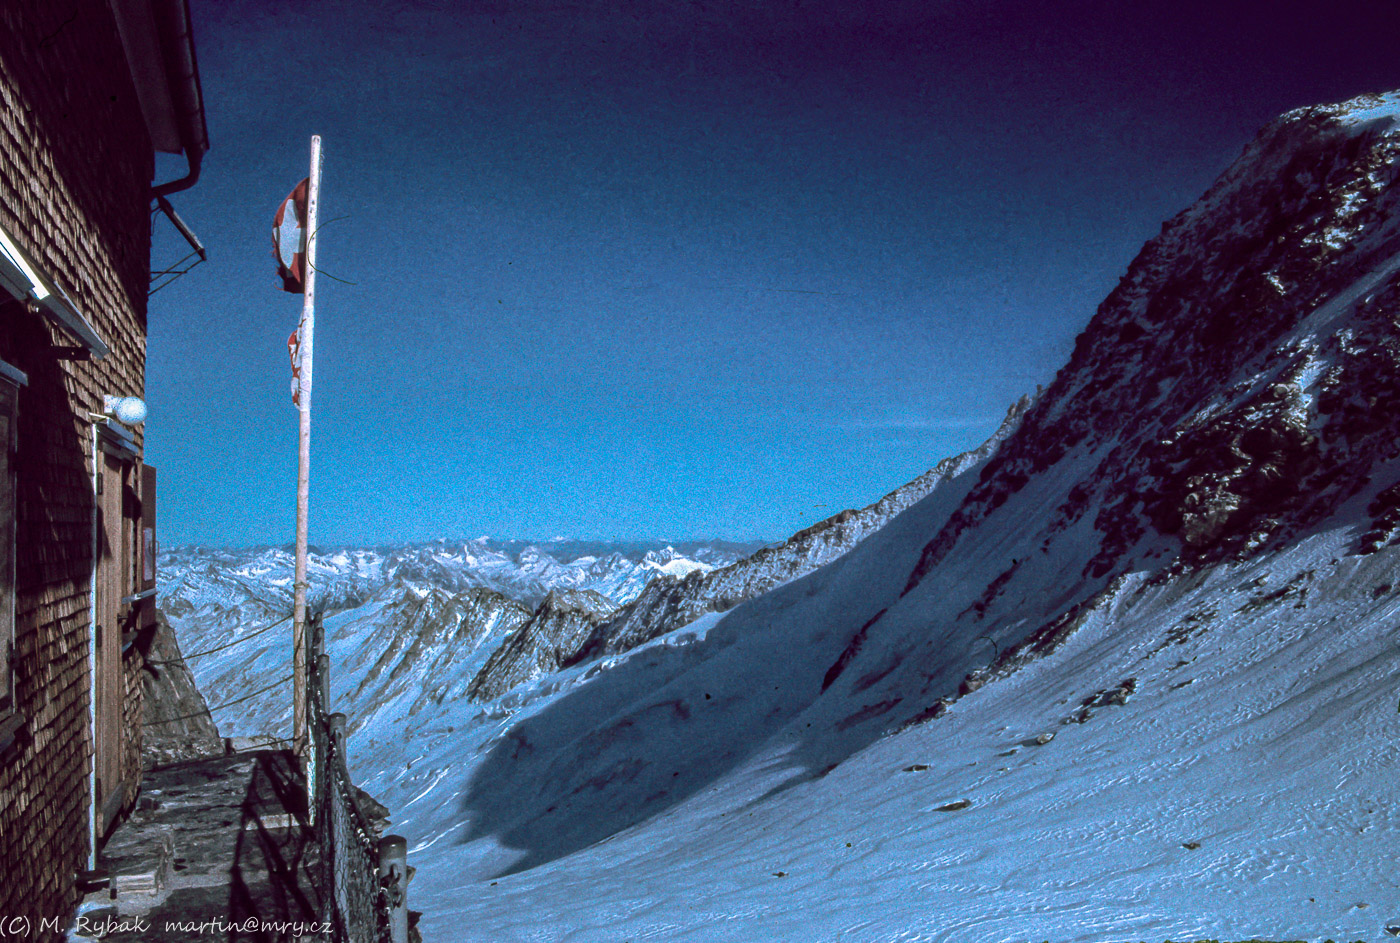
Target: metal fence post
(393,878)
(316,759)
(323,679)
(335,765)
(337,725)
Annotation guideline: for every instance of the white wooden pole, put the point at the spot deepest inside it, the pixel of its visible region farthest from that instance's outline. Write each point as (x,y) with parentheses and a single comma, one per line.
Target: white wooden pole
(308,326)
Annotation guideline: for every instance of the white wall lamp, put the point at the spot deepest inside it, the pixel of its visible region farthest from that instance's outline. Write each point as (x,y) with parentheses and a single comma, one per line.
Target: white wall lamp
(127,410)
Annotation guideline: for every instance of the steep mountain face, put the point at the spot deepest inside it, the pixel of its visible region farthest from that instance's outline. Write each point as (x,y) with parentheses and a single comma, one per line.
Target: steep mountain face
(1129,680)
(564,621)
(176,723)
(1237,387)
(425,640)
(1232,394)
(670,602)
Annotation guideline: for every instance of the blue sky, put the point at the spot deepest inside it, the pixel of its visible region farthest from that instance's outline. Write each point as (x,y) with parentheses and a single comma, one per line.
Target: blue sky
(666,270)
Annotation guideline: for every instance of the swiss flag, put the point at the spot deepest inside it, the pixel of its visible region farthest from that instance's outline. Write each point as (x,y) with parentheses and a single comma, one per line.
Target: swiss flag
(289,239)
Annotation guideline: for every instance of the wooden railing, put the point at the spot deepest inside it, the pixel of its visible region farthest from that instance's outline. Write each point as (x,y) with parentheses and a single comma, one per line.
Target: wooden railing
(363,878)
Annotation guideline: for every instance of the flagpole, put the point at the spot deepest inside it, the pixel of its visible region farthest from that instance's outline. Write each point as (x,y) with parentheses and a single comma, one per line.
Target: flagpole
(308,326)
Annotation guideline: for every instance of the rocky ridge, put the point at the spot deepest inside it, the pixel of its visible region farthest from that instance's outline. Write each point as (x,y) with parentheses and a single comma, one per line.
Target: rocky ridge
(425,639)
(412,625)
(1280,280)
(547,642)
(343,578)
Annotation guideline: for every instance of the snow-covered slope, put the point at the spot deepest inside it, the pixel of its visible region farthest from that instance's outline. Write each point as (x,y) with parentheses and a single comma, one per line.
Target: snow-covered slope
(1220,800)
(1173,587)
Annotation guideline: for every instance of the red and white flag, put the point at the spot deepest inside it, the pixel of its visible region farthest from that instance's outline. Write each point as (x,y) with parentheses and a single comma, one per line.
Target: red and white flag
(294,351)
(289,239)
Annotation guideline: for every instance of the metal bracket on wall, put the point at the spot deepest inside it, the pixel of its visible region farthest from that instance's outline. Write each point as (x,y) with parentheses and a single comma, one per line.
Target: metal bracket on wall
(163,277)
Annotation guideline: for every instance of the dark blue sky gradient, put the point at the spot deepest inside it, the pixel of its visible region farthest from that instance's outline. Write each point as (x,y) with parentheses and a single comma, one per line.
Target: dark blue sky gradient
(685,269)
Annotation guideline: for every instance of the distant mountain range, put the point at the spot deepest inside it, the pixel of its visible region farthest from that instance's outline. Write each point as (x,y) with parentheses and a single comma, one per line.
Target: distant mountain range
(342,577)
(420,624)
(501,608)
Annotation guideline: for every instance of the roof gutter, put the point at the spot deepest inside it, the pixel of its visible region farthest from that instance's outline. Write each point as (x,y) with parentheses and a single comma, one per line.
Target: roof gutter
(182,72)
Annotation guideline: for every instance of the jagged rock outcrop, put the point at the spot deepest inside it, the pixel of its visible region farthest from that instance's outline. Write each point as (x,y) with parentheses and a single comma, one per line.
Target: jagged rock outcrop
(564,621)
(177,724)
(434,632)
(1274,296)
(669,602)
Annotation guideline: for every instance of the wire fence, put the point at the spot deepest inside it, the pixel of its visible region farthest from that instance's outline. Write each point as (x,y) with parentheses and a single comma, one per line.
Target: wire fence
(355,904)
(181,659)
(218,707)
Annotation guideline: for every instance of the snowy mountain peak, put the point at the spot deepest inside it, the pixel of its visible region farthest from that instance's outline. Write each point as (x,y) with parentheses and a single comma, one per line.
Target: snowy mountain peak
(660,557)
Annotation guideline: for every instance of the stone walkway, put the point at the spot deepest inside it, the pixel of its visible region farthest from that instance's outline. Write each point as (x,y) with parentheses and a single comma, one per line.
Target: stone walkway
(216,850)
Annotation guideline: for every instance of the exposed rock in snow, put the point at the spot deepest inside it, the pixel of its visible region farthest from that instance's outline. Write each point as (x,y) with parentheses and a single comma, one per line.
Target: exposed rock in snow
(545,643)
(427,638)
(1183,395)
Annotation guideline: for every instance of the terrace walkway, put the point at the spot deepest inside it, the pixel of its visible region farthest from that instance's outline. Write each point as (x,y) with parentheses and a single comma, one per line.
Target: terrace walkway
(216,850)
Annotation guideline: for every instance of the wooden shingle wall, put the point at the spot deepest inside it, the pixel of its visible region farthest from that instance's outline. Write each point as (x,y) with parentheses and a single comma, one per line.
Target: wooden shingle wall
(75,172)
